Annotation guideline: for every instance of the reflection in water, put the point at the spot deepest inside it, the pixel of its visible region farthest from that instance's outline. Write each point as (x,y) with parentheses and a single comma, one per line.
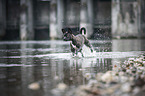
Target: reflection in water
(128,45)
(50,63)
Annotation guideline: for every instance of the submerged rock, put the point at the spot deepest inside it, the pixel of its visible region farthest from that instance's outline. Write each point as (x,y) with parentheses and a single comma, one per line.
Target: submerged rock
(34,86)
(107,77)
(129,80)
(61,86)
(126,87)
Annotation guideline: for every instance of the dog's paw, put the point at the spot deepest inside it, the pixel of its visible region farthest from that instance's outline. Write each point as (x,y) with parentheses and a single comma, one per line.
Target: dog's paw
(92,50)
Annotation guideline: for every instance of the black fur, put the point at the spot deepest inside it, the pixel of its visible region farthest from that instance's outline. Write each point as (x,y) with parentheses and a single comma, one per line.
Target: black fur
(77,41)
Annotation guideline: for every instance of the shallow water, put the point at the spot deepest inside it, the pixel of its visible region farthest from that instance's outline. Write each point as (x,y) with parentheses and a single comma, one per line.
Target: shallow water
(50,63)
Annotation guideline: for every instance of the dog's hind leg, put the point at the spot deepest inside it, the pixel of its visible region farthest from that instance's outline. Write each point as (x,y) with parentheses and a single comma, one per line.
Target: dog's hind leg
(82,54)
(87,43)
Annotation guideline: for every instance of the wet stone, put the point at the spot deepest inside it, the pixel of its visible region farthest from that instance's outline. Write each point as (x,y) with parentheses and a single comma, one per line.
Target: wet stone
(118,82)
(34,86)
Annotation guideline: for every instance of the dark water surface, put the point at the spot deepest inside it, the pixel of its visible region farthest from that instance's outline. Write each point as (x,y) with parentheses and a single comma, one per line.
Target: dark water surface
(50,63)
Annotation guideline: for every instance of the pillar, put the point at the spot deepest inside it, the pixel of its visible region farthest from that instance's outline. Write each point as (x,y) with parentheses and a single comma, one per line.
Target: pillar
(53,20)
(90,18)
(26,20)
(115,14)
(141,14)
(60,17)
(2,17)
(84,16)
(30,20)
(126,17)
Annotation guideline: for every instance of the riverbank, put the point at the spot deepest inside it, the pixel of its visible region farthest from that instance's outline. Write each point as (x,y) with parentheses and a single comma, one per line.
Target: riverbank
(126,80)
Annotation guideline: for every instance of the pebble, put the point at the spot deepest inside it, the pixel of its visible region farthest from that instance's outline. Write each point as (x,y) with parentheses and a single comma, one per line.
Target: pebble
(98,76)
(56,77)
(123,79)
(87,75)
(62,86)
(91,82)
(136,90)
(126,87)
(121,73)
(128,80)
(34,86)
(107,77)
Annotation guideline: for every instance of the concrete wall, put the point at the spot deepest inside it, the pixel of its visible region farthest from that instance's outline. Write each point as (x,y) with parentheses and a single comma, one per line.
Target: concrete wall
(2,18)
(44,19)
(126,18)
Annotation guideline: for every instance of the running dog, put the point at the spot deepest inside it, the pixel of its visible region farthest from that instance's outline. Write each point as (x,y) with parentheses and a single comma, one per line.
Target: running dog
(77,41)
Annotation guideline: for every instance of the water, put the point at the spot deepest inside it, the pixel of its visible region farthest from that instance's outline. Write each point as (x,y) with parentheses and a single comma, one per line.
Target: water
(50,63)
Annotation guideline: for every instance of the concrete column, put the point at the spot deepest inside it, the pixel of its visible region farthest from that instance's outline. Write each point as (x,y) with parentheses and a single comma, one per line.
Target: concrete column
(84,15)
(2,17)
(53,20)
(115,14)
(141,16)
(126,19)
(30,20)
(26,20)
(90,18)
(60,17)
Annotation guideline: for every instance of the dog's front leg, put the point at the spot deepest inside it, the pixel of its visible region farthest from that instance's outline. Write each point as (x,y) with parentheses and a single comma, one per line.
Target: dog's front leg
(80,50)
(73,49)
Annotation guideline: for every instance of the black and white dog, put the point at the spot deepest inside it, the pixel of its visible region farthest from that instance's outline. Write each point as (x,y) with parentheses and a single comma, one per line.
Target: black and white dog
(77,41)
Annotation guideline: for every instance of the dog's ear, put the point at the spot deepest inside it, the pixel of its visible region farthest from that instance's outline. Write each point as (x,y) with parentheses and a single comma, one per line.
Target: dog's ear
(69,31)
(63,31)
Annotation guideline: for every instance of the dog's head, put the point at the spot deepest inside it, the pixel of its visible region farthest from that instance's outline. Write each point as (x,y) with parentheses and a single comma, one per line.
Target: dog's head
(67,35)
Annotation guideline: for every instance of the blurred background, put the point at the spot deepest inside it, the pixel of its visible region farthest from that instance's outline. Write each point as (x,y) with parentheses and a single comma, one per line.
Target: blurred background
(44,19)
(32,50)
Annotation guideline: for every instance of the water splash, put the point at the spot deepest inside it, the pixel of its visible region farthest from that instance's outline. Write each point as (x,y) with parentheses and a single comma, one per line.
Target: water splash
(87,52)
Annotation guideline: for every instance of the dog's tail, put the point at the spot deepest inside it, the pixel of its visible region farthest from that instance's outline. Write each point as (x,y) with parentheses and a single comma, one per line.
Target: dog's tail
(82,30)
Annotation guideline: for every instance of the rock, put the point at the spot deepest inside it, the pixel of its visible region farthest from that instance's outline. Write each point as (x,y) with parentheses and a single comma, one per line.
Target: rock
(128,71)
(139,82)
(123,79)
(56,77)
(126,87)
(84,90)
(88,76)
(108,77)
(98,76)
(127,80)
(136,90)
(62,86)
(92,82)
(121,73)
(34,86)
(131,59)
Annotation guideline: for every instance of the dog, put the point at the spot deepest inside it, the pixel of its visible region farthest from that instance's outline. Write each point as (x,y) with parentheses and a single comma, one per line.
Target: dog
(77,41)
